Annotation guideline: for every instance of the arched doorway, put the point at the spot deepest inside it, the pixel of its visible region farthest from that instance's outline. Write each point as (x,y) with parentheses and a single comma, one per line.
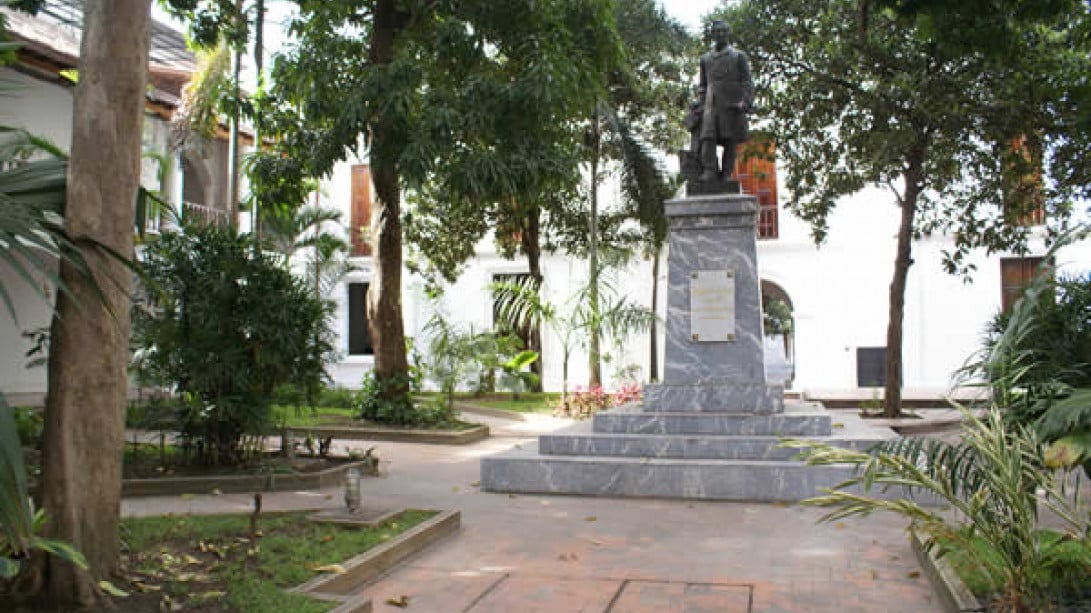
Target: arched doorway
(778,321)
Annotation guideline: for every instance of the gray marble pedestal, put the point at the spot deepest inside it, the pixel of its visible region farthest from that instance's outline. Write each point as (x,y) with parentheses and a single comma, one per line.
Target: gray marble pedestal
(713,236)
(711,429)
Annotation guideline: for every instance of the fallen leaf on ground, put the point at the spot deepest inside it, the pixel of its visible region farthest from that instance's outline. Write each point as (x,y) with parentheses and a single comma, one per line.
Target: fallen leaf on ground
(475,484)
(328,568)
(590,518)
(190,559)
(511,495)
(112,589)
(913,574)
(145,587)
(401,602)
(217,492)
(596,542)
(454,489)
(840,525)
(327,538)
(874,575)
(186,496)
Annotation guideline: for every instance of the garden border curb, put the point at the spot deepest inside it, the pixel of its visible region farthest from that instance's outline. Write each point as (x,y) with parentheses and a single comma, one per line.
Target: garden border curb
(953,593)
(172,486)
(392,435)
(469,407)
(365,568)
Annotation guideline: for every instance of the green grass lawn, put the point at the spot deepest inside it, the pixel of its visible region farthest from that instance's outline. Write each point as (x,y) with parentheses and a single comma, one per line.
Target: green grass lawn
(526,403)
(210,563)
(302,417)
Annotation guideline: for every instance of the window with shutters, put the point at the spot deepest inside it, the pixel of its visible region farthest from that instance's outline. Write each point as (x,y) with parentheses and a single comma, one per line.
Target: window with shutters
(359,335)
(1016,274)
(1021,182)
(361,210)
(756,171)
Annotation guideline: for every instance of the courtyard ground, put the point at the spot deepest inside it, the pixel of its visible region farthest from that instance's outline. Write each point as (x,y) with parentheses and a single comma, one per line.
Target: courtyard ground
(558,554)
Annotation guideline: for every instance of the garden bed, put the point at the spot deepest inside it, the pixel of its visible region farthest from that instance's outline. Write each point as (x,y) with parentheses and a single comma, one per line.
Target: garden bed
(267,481)
(964,589)
(350,432)
(213,564)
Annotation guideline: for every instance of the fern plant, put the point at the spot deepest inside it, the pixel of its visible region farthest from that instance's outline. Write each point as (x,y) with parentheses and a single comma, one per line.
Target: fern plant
(995,480)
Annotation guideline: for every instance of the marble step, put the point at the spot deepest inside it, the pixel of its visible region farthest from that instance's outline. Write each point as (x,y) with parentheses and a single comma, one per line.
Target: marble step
(799,420)
(526,471)
(683,446)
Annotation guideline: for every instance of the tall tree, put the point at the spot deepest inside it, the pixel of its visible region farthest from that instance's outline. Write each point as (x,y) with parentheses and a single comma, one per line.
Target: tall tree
(640,111)
(84,425)
(859,98)
(443,95)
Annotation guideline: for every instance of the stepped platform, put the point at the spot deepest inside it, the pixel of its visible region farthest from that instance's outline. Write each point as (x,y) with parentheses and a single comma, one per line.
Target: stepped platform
(710,456)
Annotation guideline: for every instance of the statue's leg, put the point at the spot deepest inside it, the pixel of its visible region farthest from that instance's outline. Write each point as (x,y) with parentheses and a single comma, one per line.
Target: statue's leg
(729,160)
(708,160)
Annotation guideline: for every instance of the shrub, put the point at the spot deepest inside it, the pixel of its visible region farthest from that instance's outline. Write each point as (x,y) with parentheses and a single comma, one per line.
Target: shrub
(386,401)
(337,397)
(226,325)
(995,480)
(584,402)
(1037,362)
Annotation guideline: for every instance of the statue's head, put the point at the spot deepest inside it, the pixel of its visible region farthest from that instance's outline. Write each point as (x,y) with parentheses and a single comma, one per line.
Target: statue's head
(721,32)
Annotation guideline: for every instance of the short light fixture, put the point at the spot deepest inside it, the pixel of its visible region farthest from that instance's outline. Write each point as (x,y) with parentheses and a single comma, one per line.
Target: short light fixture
(352,490)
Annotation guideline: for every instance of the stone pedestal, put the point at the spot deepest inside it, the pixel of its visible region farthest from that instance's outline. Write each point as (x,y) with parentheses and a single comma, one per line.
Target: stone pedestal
(711,429)
(714,236)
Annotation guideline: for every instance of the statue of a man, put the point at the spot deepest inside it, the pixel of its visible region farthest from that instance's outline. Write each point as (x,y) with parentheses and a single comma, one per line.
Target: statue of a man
(724,97)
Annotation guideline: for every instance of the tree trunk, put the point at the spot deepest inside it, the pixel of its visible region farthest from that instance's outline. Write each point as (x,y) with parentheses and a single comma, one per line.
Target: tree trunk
(259,63)
(89,349)
(532,248)
(594,367)
(914,175)
(233,142)
(384,304)
(653,335)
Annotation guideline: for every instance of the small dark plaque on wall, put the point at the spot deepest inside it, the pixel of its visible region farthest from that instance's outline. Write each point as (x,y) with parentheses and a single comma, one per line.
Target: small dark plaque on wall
(870,366)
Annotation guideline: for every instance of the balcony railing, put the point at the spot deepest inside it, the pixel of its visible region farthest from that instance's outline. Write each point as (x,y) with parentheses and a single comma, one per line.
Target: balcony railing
(200,213)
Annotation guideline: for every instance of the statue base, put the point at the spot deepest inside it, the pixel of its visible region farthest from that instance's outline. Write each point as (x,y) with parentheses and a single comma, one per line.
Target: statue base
(692,171)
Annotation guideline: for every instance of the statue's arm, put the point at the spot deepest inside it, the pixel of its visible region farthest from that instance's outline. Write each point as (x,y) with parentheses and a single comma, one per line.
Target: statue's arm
(747,81)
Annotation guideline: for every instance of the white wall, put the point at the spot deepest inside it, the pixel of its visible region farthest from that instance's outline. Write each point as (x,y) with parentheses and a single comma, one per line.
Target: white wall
(839,291)
(45,110)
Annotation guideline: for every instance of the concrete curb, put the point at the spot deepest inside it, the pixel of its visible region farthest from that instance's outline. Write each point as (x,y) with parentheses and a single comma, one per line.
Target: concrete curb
(953,593)
(377,561)
(467,407)
(169,486)
(433,437)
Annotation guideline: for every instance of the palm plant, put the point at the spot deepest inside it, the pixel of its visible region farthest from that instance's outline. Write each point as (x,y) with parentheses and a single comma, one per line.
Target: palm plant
(304,229)
(20,523)
(995,480)
(1036,362)
(519,303)
(32,234)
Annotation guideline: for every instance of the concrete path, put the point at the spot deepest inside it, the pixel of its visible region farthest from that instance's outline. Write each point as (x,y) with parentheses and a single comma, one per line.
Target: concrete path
(524,554)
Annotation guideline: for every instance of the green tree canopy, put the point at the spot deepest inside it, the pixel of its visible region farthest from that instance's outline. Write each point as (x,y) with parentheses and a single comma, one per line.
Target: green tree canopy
(957,134)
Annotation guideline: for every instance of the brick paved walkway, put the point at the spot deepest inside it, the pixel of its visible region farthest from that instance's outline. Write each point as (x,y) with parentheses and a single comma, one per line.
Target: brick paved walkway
(566,555)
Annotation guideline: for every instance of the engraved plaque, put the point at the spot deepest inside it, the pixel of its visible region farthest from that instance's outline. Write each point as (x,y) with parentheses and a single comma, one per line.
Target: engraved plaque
(712,306)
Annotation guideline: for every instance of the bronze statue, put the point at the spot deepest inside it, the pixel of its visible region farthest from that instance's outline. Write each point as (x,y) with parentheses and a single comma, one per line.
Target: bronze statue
(718,118)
